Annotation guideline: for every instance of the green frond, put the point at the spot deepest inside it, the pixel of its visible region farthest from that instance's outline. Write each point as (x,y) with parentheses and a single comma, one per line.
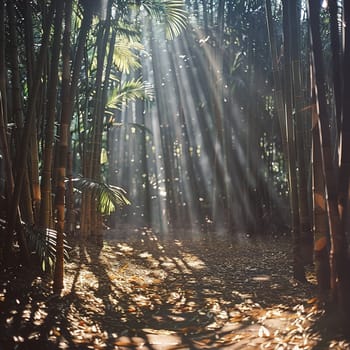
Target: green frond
(43,242)
(124,56)
(108,197)
(127,31)
(129,91)
(170,12)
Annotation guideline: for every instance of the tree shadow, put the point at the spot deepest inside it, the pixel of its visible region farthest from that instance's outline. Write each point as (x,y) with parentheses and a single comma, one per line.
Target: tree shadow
(128,313)
(27,318)
(147,291)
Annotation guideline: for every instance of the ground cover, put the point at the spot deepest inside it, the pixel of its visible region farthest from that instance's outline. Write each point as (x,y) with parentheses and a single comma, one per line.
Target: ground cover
(139,290)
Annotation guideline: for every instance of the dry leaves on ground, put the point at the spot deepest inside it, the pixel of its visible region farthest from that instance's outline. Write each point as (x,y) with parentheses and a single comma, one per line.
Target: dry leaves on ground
(144,292)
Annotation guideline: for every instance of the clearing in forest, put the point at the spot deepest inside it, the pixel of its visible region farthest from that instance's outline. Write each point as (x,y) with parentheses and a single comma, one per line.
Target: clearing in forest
(141,291)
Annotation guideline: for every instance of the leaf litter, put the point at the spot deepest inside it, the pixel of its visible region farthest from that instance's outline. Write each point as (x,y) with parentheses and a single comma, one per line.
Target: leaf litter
(149,292)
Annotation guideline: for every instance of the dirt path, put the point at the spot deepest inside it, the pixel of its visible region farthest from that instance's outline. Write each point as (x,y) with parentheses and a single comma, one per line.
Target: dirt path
(140,292)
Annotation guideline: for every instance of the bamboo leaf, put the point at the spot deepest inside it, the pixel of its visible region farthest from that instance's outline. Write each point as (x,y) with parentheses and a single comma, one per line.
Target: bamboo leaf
(125,56)
(43,242)
(129,91)
(170,12)
(108,197)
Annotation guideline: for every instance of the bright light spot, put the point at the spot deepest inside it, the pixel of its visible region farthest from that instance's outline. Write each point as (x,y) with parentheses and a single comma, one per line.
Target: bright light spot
(261,278)
(204,40)
(125,247)
(209,221)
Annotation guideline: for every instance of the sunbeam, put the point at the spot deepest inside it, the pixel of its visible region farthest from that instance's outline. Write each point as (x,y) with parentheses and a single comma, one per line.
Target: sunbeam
(201,172)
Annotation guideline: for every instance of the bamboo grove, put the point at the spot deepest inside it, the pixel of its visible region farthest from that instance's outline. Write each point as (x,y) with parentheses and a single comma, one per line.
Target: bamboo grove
(220,115)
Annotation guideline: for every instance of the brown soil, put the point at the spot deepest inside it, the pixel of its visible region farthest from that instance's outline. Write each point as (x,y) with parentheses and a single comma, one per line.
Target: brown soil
(136,290)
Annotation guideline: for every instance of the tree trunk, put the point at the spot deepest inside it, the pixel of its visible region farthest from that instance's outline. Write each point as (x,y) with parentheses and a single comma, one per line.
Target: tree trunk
(335,28)
(46,173)
(3,73)
(22,155)
(29,42)
(298,266)
(4,146)
(68,98)
(344,173)
(31,191)
(101,85)
(338,256)
(278,93)
(299,102)
(321,229)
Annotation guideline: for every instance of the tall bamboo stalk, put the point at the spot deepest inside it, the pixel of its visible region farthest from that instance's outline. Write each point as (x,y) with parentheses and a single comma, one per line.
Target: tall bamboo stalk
(298,267)
(320,229)
(338,257)
(68,98)
(344,173)
(46,173)
(302,153)
(28,130)
(335,29)
(3,75)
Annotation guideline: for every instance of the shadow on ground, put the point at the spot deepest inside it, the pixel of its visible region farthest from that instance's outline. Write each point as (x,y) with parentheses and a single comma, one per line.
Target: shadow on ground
(142,291)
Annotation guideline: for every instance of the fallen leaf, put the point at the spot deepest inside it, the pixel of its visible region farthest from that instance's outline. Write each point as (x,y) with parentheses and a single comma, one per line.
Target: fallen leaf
(263,332)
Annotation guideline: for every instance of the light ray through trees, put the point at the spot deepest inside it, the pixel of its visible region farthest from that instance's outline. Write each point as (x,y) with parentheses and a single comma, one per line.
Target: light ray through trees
(197,163)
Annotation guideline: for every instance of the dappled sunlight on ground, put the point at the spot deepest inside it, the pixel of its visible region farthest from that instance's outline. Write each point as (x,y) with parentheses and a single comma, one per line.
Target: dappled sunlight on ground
(145,292)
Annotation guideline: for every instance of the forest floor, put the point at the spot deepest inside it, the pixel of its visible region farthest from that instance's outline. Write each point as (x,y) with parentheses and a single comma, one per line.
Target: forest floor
(137,290)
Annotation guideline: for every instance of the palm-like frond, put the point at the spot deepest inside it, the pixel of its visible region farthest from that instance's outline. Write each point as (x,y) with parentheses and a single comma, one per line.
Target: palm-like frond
(108,197)
(43,242)
(129,91)
(127,31)
(170,12)
(124,56)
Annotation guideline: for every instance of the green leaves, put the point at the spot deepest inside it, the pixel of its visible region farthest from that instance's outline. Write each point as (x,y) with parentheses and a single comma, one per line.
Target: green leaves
(170,12)
(108,197)
(124,56)
(43,242)
(129,91)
